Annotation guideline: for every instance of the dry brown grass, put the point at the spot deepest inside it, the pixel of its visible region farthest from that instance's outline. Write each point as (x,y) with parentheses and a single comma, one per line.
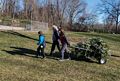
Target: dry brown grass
(17,62)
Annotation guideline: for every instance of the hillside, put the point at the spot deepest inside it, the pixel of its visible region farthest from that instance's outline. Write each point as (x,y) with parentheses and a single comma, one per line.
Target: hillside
(18,62)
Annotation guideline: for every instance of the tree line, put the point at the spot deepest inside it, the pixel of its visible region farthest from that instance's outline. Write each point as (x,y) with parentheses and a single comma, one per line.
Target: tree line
(72,14)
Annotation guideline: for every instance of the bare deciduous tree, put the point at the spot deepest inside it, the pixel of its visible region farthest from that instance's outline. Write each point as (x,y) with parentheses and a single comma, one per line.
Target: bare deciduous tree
(74,8)
(52,11)
(111,8)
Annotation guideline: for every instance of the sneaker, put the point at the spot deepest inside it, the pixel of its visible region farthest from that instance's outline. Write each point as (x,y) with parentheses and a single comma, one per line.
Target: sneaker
(69,58)
(61,60)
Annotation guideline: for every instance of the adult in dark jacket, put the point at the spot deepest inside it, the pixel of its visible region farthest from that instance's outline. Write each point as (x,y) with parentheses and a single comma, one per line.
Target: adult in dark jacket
(55,39)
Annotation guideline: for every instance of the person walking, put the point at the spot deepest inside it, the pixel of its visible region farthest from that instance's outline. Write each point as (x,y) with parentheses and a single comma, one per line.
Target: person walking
(55,39)
(65,45)
(41,45)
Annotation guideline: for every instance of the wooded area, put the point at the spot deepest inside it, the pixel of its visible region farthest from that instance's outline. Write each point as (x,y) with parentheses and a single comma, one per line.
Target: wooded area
(70,14)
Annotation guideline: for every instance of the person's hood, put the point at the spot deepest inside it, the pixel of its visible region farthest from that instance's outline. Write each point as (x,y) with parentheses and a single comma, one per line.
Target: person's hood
(55,27)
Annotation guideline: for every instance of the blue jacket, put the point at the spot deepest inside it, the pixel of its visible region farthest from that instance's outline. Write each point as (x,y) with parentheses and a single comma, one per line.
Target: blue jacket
(41,39)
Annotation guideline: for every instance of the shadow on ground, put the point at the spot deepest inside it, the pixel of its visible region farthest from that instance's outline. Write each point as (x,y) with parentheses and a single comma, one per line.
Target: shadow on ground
(21,35)
(21,51)
(32,53)
(115,56)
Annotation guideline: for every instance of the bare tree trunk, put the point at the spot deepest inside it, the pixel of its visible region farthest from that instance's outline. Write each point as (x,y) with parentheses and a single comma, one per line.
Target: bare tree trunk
(116,26)
(75,7)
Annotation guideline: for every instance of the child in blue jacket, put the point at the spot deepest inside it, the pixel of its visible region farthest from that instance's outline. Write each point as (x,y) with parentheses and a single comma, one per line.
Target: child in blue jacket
(41,45)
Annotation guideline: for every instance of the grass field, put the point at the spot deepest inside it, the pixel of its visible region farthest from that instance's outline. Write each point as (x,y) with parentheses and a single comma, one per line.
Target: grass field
(18,62)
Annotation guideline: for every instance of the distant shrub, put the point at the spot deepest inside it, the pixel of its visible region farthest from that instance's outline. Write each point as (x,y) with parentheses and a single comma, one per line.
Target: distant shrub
(6,22)
(23,23)
(9,22)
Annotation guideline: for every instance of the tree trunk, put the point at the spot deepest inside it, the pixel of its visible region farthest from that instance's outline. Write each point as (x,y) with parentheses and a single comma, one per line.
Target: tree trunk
(117,22)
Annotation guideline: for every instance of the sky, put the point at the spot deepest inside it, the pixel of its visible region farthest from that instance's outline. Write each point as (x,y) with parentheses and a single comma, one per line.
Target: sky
(91,6)
(0,4)
(92,3)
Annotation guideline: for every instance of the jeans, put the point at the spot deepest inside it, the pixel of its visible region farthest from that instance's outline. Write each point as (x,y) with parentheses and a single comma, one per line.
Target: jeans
(63,50)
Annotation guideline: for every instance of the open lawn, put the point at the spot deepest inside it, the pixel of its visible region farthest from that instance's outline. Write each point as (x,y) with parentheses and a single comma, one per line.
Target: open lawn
(18,62)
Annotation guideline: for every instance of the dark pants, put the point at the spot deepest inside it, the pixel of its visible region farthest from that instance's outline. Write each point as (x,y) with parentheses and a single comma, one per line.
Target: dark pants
(53,46)
(40,51)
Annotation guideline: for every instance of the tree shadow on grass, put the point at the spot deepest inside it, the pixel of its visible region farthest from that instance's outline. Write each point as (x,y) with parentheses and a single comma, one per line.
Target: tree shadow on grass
(22,51)
(115,56)
(18,34)
(22,35)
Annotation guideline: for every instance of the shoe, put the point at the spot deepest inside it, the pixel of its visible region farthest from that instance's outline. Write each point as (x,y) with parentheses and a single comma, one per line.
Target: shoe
(61,60)
(69,58)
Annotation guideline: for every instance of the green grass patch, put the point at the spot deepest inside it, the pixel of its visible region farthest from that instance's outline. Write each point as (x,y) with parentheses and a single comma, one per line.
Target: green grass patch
(17,62)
